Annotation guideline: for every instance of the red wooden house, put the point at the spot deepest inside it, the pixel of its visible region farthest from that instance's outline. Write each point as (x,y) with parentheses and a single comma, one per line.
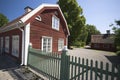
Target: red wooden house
(44,27)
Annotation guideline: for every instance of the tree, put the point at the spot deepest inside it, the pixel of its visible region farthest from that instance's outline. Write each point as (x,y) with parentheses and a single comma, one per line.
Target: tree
(91,29)
(74,17)
(3,20)
(83,37)
(116,30)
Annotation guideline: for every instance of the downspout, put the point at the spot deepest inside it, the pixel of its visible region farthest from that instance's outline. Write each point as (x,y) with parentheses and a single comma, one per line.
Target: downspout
(22,60)
(23,41)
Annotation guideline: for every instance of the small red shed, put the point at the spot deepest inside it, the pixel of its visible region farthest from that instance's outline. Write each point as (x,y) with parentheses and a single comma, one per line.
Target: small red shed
(44,27)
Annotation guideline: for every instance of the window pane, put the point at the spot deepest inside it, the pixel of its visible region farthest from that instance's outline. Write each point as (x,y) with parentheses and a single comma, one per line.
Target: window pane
(55,22)
(60,44)
(47,44)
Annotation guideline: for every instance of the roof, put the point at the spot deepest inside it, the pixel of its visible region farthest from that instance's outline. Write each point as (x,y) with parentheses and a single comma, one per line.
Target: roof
(10,25)
(27,16)
(102,38)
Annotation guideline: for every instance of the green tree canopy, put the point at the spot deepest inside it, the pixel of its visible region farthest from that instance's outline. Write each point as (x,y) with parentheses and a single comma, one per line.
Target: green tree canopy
(3,20)
(74,17)
(91,29)
(116,30)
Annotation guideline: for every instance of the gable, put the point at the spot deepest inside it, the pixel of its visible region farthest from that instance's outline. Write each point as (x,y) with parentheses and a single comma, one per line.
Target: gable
(48,13)
(46,20)
(42,8)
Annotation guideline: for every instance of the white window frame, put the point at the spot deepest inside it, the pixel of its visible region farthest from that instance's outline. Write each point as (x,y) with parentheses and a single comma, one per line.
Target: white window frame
(7,43)
(55,22)
(15,45)
(45,37)
(60,44)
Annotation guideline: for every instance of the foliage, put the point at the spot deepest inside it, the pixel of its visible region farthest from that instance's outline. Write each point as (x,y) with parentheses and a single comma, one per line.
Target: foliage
(91,29)
(79,44)
(82,37)
(74,17)
(117,38)
(118,53)
(3,20)
(116,30)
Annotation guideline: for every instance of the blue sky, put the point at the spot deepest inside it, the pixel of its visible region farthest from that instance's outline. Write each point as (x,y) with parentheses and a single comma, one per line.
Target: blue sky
(100,13)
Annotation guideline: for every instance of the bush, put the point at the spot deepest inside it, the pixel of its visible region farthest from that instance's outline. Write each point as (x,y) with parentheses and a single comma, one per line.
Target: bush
(118,48)
(79,44)
(82,44)
(118,53)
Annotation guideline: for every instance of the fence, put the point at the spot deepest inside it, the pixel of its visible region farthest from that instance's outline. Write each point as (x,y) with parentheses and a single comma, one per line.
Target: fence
(64,67)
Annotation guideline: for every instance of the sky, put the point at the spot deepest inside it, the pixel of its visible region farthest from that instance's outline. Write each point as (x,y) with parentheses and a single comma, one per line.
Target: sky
(100,13)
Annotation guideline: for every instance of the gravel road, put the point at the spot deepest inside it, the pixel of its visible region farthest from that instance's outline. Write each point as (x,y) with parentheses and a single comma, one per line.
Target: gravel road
(105,56)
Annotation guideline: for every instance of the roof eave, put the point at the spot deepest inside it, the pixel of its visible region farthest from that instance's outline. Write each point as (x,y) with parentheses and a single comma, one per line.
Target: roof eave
(12,26)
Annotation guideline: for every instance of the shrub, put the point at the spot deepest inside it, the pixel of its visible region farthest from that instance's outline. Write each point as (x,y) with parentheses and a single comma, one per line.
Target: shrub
(79,44)
(118,53)
(82,44)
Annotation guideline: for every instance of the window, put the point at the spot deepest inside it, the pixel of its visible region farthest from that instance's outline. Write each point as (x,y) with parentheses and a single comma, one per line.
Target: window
(38,18)
(55,22)
(7,44)
(15,45)
(47,44)
(60,44)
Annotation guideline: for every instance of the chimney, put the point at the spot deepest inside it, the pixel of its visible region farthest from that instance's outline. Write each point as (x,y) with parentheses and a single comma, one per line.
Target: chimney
(108,31)
(28,9)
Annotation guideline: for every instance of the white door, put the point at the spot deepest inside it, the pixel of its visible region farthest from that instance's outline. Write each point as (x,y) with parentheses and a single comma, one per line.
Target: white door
(7,44)
(15,45)
(1,46)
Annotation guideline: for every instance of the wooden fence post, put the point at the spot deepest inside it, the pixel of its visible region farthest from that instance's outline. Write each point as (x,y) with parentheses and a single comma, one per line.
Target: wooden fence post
(64,70)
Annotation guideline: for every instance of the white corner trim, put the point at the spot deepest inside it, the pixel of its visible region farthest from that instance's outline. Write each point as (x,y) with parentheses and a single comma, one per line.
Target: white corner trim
(27,41)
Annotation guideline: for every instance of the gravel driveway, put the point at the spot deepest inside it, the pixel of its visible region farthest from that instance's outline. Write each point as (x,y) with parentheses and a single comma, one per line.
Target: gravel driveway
(98,55)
